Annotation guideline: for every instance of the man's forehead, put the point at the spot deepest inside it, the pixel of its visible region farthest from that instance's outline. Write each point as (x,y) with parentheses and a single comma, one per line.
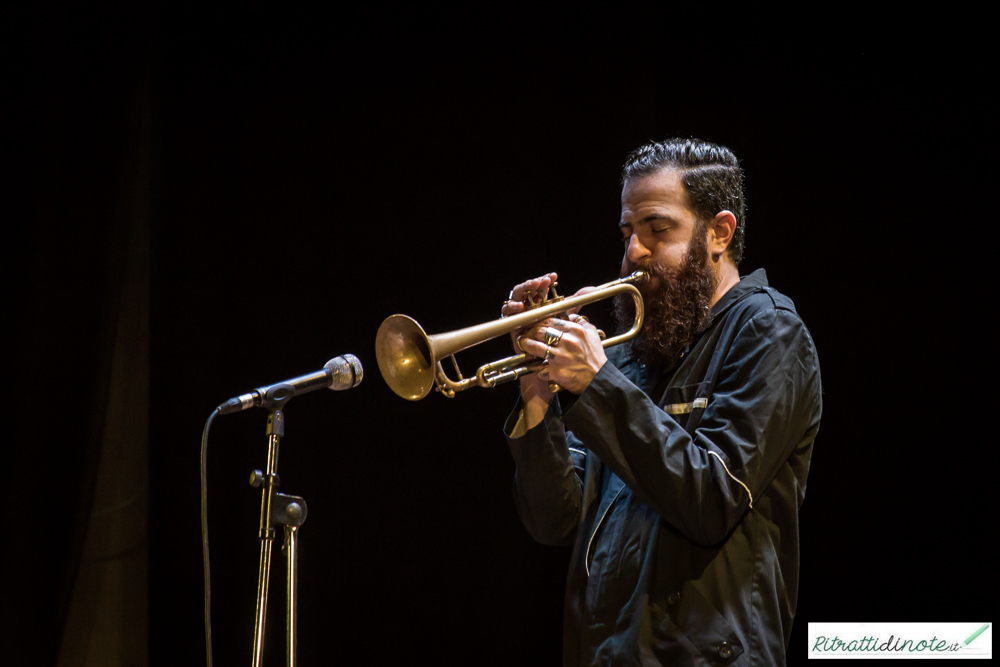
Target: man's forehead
(662,185)
(661,190)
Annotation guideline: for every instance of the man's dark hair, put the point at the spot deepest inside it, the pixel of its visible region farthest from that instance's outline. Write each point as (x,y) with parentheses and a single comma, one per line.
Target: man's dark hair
(710,173)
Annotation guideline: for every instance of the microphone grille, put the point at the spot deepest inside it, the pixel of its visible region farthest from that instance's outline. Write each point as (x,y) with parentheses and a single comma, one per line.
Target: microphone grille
(346,372)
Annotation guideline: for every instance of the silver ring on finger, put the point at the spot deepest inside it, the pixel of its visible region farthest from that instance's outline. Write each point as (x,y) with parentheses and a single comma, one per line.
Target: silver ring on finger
(548,354)
(552,339)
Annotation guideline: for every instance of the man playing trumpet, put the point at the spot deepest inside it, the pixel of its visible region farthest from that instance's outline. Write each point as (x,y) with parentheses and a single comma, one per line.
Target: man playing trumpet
(674,464)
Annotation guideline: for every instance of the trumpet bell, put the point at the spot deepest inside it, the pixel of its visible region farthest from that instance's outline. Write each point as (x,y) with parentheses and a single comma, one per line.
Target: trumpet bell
(405,358)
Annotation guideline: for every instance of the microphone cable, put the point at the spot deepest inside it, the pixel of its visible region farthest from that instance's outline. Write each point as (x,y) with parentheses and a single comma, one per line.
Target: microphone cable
(204,536)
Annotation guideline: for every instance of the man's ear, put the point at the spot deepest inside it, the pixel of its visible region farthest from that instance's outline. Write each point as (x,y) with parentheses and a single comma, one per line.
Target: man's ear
(720,234)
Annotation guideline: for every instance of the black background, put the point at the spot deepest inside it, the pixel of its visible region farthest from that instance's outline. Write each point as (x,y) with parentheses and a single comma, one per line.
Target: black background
(307,184)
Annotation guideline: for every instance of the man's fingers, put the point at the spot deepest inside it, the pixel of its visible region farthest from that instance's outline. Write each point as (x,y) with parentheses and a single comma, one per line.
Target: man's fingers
(512,308)
(536,333)
(555,325)
(534,347)
(515,301)
(534,285)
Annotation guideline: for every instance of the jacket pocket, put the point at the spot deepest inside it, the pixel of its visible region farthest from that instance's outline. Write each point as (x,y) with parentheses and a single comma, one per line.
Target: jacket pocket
(687,630)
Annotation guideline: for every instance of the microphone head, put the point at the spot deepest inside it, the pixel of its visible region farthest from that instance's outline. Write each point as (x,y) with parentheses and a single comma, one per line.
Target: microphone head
(345,372)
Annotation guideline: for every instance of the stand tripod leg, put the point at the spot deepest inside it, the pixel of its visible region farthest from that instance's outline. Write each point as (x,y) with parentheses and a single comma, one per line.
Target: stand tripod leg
(292,593)
(262,581)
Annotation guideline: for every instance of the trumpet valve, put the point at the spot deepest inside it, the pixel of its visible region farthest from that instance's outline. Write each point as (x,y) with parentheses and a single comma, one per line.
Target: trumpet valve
(550,296)
(529,304)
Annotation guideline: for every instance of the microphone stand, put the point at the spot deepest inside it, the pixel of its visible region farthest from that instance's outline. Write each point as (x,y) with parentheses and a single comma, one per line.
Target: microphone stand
(276,509)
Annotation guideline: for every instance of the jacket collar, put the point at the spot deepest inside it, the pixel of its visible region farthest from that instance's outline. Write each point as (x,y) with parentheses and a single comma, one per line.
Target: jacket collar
(747,285)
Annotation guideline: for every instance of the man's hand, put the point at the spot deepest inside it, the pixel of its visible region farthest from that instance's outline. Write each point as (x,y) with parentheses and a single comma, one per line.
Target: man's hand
(573,360)
(534,390)
(571,349)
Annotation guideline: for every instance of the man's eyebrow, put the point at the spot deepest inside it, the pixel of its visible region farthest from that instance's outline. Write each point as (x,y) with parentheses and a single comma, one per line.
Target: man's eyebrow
(652,217)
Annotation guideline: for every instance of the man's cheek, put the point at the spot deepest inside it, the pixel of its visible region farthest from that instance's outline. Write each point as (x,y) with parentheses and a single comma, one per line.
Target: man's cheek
(627,268)
(651,285)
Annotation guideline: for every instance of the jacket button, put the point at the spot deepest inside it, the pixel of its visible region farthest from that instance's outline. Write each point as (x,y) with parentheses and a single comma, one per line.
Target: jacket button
(673,599)
(725,651)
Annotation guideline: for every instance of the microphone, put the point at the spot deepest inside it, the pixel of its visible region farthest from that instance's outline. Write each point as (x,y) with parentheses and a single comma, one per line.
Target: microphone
(338,374)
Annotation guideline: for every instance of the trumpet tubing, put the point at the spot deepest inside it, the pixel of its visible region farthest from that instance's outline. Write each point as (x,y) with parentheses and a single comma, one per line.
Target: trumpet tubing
(410,359)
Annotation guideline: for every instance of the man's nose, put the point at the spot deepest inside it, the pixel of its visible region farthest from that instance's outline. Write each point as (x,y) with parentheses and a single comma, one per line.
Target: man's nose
(636,252)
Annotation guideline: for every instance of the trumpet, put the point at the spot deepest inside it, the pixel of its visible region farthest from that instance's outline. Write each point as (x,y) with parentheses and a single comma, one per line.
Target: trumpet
(410,360)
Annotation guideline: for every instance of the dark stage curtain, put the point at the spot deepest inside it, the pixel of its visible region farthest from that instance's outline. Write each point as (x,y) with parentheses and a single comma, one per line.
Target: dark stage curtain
(74,582)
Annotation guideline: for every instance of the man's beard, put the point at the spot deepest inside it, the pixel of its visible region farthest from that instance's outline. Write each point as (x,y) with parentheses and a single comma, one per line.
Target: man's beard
(677,312)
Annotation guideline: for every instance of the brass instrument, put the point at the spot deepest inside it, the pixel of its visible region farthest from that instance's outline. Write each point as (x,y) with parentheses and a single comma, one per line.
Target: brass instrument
(410,360)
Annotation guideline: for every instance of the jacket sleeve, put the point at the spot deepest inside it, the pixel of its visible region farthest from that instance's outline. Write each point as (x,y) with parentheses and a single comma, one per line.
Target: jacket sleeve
(766,401)
(548,482)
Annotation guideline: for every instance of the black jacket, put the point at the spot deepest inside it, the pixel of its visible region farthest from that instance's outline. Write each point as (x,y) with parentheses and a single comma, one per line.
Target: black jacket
(680,489)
